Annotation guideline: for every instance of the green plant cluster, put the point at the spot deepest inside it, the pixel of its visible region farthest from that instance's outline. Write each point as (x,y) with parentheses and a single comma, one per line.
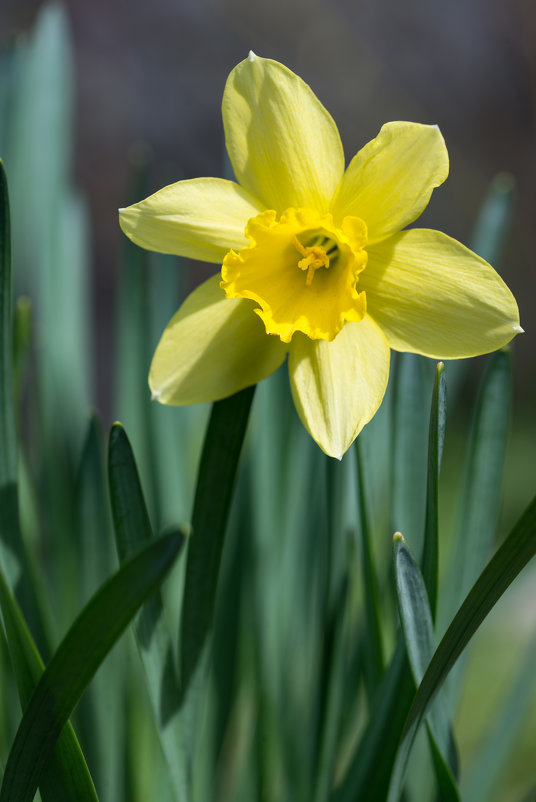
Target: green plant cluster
(282,645)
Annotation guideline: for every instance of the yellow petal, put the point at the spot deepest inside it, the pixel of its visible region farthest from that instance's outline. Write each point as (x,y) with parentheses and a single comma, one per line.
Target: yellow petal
(433,296)
(283,144)
(338,386)
(389,182)
(202,219)
(212,347)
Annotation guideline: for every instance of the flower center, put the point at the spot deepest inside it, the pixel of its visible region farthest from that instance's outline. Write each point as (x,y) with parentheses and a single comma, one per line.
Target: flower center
(270,271)
(316,255)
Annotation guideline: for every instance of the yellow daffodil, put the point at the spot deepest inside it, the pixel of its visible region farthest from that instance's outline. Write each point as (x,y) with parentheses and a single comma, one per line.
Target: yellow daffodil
(314,261)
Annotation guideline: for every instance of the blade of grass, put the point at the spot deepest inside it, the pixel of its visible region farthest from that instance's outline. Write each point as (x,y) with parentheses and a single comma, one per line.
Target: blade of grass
(75,661)
(418,630)
(436,437)
(153,639)
(511,557)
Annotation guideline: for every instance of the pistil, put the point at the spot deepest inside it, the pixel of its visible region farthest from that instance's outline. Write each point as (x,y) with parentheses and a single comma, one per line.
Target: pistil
(314,257)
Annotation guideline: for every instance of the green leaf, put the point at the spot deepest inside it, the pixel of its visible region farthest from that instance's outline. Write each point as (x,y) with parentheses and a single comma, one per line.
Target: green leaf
(409,448)
(75,661)
(131,519)
(219,461)
(417,626)
(494,220)
(9,513)
(373,657)
(13,560)
(66,776)
(512,556)
(217,471)
(332,687)
(481,485)
(368,775)
(8,451)
(153,639)
(436,437)
(481,481)
(101,716)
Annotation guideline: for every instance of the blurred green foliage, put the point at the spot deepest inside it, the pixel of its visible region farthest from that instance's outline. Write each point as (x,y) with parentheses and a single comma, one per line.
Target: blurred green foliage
(271,664)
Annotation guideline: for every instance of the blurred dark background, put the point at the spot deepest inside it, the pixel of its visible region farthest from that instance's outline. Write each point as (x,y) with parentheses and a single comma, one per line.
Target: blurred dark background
(154,73)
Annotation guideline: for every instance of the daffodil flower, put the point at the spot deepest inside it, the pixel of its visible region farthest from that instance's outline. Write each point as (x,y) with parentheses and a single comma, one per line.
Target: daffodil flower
(314,262)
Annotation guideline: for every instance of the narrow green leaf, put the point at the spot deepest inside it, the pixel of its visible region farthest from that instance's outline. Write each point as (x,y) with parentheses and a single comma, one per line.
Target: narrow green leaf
(481,485)
(131,519)
(216,477)
(493,223)
(374,661)
(133,340)
(332,681)
(512,556)
(66,776)
(409,448)
(417,626)
(96,546)
(173,468)
(153,639)
(9,514)
(368,775)
(217,471)
(436,437)
(287,475)
(8,448)
(101,715)
(13,560)
(68,339)
(481,481)
(75,661)
(22,327)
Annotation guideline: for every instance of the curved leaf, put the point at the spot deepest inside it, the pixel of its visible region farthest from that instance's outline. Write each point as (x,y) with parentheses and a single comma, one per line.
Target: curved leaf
(133,529)
(75,661)
(418,629)
(512,556)
(66,776)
